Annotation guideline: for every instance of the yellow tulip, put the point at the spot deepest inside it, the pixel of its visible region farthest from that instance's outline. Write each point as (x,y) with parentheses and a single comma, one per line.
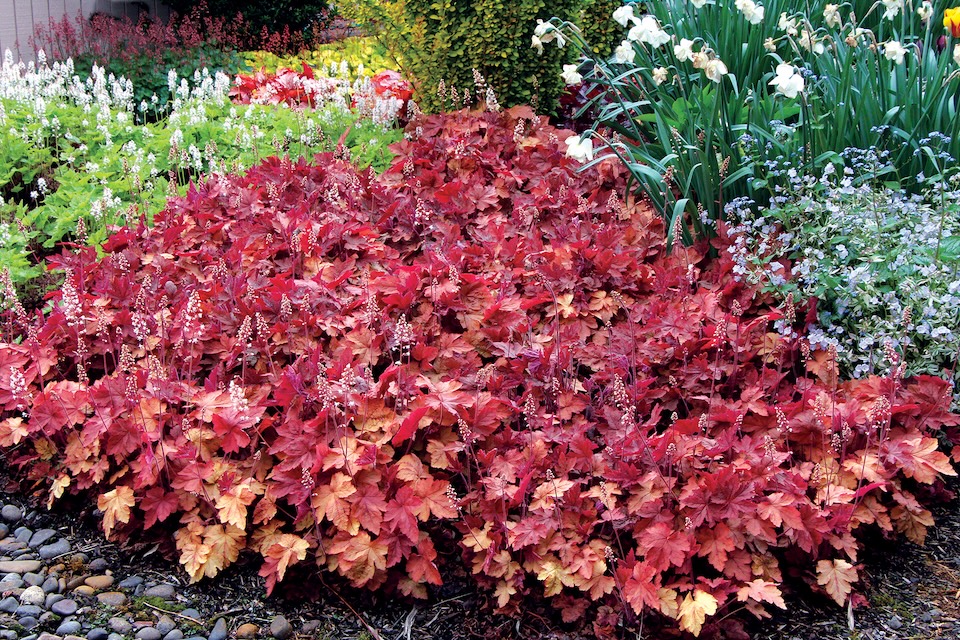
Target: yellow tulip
(951,20)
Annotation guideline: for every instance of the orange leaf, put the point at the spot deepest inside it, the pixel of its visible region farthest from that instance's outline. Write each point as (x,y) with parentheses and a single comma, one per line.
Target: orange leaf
(329,500)
(358,557)
(715,544)
(837,577)
(286,549)
(553,575)
(504,590)
(193,552)
(115,505)
(232,505)
(225,543)
(641,588)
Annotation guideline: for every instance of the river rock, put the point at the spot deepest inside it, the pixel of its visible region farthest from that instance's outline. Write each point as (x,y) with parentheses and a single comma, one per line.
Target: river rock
(131,582)
(65,607)
(247,631)
(51,551)
(164,591)
(50,584)
(32,595)
(9,604)
(11,513)
(112,598)
(280,628)
(33,579)
(191,613)
(69,627)
(40,537)
(99,582)
(25,610)
(165,624)
(19,566)
(28,622)
(120,625)
(219,631)
(148,633)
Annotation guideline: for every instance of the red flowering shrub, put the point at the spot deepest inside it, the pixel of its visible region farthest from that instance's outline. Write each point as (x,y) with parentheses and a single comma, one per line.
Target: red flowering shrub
(324,366)
(383,97)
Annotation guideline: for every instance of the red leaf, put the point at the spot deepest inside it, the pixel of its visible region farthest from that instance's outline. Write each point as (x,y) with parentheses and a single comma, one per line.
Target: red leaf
(409,426)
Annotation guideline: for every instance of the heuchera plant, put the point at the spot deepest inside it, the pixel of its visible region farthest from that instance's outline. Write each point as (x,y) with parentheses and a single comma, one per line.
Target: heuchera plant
(341,371)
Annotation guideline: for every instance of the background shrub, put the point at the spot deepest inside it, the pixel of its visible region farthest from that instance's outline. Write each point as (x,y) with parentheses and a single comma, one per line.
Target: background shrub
(271,15)
(142,52)
(599,28)
(443,42)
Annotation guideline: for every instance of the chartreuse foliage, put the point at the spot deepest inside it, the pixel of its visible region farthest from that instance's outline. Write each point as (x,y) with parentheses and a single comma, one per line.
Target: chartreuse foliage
(598,26)
(362,56)
(444,42)
(339,371)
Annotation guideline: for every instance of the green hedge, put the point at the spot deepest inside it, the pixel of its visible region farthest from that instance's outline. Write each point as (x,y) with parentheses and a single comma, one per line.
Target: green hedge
(445,40)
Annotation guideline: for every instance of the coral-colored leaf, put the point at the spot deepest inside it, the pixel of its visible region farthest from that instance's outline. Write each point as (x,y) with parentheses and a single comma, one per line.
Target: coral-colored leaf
(837,578)
(761,591)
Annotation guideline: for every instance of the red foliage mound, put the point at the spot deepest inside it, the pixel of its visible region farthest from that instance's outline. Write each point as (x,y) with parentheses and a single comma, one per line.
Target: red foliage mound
(328,367)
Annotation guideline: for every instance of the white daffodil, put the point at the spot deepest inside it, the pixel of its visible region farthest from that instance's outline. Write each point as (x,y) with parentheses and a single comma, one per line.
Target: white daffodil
(787,24)
(956,53)
(770,45)
(810,42)
(698,3)
(925,11)
(684,50)
(787,81)
(894,51)
(660,75)
(700,59)
(648,30)
(624,15)
(892,8)
(715,69)
(580,149)
(537,44)
(625,53)
(570,75)
(750,10)
(831,15)
(546,32)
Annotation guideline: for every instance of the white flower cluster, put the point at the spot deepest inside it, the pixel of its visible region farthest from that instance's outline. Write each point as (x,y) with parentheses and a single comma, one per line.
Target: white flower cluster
(868,257)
